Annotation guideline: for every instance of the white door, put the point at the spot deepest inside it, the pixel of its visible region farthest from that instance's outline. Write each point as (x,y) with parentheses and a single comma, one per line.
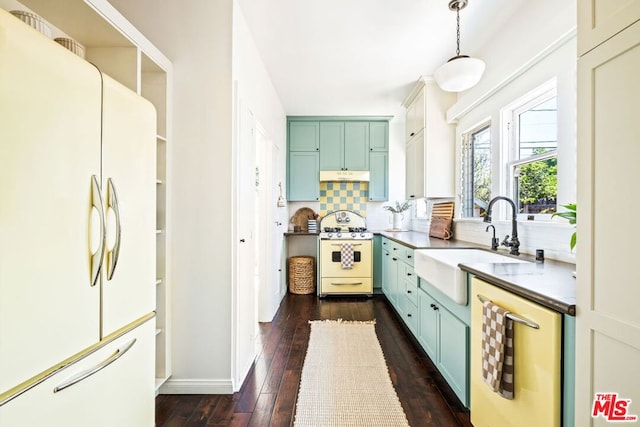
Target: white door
(608,319)
(49,151)
(129,189)
(270,228)
(245,318)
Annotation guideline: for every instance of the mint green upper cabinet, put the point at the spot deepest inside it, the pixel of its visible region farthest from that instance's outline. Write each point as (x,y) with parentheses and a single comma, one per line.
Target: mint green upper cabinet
(356,146)
(303,179)
(379,176)
(379,161)
(335,143)
(379,136)
(331,146)
(304,136)
(344,146)
(304,176)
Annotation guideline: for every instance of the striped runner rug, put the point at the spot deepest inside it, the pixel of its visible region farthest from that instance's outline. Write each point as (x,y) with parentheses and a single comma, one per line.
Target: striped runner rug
(345,380)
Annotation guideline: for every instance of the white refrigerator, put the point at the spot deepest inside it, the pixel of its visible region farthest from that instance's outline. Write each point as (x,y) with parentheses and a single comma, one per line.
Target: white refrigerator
(77,240)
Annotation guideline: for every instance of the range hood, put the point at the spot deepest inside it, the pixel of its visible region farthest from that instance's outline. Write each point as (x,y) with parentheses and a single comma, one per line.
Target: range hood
(361,176)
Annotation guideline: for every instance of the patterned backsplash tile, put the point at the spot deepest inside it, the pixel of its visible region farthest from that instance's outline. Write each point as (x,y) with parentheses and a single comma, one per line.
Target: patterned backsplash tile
(344,195)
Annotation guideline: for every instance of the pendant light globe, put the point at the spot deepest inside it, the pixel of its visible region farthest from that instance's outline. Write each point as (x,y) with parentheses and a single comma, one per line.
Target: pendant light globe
(460,72)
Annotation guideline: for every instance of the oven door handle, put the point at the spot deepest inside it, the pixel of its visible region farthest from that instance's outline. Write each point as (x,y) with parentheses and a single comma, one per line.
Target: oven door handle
(346,283)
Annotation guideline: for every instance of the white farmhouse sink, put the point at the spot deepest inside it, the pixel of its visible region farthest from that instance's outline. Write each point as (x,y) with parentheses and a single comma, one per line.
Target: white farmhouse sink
(439,267)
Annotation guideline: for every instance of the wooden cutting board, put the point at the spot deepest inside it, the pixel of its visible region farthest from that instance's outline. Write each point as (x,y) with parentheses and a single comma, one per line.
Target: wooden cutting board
(301,217)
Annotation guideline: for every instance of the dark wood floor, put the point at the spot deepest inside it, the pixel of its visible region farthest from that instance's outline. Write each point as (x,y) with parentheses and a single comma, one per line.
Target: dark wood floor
(268,396)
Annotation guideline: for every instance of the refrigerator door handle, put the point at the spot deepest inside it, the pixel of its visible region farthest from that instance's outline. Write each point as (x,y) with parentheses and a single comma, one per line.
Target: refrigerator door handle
(97,368)
(98,256)
(112,203)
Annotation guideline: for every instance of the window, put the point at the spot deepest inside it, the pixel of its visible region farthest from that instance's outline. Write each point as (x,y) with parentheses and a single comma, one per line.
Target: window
(534,159)
(476,171)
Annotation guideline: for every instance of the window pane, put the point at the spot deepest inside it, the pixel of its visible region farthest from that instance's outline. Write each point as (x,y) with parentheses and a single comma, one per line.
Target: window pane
(538,129)
(537,186)
(477,173)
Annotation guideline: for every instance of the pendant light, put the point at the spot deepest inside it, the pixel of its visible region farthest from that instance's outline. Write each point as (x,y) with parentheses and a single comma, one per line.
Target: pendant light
(461,72)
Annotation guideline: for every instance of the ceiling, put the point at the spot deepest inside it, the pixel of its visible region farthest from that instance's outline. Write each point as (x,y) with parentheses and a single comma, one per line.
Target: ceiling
(362,57)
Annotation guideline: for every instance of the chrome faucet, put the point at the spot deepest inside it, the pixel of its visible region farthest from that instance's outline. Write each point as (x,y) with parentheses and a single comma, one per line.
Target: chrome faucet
(495,242)
(514,243)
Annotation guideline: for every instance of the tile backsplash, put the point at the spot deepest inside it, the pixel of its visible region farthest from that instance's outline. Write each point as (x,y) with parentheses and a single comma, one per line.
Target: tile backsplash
(344,195)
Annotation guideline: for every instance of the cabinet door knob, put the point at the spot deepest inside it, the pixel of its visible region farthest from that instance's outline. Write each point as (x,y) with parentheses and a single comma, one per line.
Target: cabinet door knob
(395,259)
(408,274)
(412,133)
(408,314)
(408,291)
(242,240)
(408,256)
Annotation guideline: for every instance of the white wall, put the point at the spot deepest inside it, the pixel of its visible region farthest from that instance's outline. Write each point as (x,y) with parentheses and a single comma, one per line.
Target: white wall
(522,57)
(254,91)
(197,36)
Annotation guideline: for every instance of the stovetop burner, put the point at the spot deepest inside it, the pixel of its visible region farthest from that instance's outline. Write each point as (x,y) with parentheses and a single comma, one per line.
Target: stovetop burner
(357,229)
(334,227)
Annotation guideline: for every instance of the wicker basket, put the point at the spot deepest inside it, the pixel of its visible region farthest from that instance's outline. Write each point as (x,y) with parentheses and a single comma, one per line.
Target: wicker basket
(302,275)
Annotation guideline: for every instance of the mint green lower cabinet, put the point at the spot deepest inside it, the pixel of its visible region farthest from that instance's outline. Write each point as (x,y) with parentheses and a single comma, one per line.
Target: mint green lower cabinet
(390,276)
(377,262)
(445,339)
(440,325)
(453,353)
(428,325)
(303,182)
(378,176)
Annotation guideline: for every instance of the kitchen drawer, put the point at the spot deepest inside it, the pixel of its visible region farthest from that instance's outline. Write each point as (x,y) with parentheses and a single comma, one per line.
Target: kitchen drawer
(351,285)
(411,292)
(395,249)
(410,315)
(120,393)
(407,255)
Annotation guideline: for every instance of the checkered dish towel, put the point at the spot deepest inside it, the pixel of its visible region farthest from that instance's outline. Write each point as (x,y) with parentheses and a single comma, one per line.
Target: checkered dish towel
(346,256)
(497,349)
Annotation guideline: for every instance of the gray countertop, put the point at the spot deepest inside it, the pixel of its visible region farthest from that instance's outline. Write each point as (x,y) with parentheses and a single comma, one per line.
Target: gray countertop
(549,283)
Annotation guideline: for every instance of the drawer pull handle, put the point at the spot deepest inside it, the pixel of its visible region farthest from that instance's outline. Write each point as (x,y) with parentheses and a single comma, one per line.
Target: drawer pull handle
(514,317)
(346,283)
(85,374)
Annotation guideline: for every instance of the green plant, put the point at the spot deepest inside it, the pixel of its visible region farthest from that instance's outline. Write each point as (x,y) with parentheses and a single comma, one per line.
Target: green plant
(399,207)
(570,215)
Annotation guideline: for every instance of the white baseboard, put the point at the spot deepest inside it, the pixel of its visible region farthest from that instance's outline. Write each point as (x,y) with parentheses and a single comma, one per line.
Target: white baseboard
(195,386)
